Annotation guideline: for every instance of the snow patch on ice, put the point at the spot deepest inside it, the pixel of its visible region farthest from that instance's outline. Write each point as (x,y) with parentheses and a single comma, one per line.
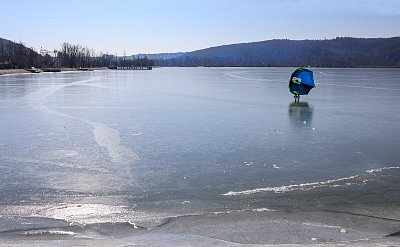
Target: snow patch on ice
(341,182)
(48,232)
(109,138)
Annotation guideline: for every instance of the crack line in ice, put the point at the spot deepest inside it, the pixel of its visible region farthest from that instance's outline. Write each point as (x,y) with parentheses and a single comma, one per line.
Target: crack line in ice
(60,164)
(321,225)
(347,181)
(364,87)
(104,136)
(246,78)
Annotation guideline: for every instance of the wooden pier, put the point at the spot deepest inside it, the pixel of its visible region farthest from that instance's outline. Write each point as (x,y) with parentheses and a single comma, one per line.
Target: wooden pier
(131,68)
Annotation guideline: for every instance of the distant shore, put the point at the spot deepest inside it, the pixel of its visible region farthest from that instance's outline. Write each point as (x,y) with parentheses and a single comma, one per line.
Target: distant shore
(25,71)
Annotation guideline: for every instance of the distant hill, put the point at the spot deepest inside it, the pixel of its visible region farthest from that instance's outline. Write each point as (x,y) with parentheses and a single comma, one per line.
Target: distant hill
(5,41)
(339,52)
(159,55)
(17,55)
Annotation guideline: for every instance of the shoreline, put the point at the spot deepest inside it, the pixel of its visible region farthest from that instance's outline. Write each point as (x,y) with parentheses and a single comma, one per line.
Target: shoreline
(26,71)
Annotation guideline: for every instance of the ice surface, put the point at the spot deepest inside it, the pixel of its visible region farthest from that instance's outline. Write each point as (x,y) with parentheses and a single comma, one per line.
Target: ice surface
(150,157)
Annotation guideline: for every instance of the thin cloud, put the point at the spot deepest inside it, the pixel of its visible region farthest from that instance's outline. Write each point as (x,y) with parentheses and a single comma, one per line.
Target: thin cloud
(64,22)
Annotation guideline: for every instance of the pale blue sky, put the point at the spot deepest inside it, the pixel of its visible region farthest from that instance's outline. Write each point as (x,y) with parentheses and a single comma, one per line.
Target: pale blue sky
(182,25)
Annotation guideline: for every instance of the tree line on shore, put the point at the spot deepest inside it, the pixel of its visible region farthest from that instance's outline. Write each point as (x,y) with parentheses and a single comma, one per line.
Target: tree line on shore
(338,52)
(15,55)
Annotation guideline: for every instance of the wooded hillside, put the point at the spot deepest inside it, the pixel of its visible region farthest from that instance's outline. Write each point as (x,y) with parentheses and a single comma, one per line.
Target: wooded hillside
(339,52)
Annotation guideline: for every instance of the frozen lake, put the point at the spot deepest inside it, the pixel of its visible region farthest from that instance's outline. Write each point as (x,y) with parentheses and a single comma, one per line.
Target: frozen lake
(205,156)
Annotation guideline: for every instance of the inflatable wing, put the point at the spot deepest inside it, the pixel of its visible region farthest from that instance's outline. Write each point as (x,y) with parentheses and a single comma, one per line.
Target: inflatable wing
(301,81)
